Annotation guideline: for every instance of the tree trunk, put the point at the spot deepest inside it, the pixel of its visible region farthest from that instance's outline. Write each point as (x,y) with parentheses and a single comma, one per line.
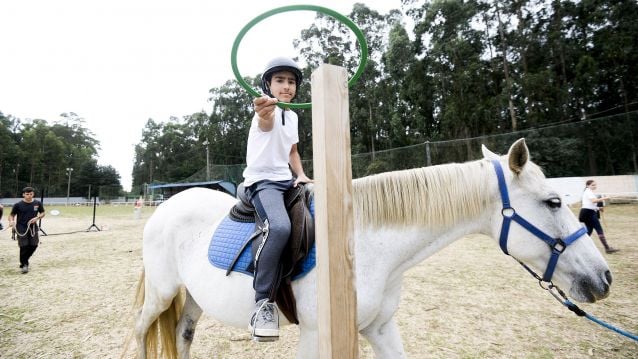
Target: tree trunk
(508,81)
(371,127)
(521,26)
(487,35)
(468,145)
(592,159)
(31,173)
(631,132)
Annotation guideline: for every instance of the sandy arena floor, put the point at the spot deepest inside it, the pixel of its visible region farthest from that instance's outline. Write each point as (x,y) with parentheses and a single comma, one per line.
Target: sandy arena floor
(468,301)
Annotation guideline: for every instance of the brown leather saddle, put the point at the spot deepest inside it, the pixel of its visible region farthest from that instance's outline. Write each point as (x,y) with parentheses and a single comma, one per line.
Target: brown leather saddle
(297,200)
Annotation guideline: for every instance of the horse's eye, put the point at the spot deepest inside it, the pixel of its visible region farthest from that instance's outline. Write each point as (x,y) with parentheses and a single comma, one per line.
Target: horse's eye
(554,202)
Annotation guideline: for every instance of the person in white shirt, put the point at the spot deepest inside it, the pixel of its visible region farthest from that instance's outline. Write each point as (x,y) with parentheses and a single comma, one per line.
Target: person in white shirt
(271,154)
(589,213)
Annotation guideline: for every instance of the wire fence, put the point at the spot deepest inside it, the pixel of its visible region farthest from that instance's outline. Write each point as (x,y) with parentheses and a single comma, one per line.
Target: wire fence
(600,146)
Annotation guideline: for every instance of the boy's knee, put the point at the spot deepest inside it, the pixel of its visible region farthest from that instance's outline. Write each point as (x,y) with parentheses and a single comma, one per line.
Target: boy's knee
(279,229)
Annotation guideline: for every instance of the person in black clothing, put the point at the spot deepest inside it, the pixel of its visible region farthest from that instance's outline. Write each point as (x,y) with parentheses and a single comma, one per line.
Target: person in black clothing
(24,220)
(1,210)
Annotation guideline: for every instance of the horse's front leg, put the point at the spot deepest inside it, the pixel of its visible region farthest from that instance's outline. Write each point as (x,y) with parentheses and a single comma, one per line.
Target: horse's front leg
(308,347)
(383,333)
(385,339)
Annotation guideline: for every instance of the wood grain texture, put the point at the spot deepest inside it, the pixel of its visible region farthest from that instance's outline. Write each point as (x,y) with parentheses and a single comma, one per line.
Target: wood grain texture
(337,317)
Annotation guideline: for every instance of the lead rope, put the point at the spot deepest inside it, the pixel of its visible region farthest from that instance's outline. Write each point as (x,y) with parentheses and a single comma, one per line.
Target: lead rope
(30,227)
(562,298)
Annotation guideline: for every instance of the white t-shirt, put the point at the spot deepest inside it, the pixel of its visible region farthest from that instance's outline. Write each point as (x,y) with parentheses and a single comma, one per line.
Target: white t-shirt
(588,195)
(268,153)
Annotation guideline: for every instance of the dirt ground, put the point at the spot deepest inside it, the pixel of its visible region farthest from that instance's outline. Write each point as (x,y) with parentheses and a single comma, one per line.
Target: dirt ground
(468,301)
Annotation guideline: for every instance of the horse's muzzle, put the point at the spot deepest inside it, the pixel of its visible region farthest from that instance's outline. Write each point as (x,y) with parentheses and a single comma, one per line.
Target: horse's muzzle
(589,290)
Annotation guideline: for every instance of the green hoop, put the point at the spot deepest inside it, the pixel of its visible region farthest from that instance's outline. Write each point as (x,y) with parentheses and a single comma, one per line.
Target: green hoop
(344,20)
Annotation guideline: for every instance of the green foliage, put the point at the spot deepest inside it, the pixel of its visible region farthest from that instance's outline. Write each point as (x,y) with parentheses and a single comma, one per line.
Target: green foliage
(561,73)
(37,154)
(378,166)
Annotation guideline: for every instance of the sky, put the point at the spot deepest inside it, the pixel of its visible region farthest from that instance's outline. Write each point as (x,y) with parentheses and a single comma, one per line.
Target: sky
(117,63)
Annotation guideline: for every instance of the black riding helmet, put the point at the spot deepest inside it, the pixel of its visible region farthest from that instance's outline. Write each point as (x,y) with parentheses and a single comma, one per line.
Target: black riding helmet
(279,64)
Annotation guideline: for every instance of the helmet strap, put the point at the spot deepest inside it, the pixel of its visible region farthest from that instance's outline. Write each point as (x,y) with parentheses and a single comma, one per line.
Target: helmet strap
(268,92)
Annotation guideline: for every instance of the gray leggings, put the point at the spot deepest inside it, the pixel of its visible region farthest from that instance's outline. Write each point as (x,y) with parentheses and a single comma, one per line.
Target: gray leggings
(268,199)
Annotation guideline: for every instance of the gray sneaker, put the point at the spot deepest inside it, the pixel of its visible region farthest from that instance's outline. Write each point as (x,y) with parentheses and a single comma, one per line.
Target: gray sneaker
(264,324)
(25,269)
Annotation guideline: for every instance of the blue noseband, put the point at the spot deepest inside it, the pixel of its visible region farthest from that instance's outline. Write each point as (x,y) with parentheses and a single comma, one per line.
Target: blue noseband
(557,245)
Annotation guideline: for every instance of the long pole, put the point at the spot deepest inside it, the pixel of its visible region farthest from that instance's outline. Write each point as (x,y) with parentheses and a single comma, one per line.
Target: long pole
(68,187)
(207,161)
(40,220)
(94,205)
(93,225)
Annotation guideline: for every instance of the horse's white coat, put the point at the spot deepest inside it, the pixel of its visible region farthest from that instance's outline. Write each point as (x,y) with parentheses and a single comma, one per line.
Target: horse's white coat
(177,236)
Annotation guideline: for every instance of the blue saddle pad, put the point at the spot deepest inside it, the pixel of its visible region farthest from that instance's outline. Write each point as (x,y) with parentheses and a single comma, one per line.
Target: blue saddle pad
(231,235)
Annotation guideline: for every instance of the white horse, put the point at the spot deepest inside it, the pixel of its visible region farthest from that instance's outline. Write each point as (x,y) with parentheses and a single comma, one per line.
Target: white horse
(401,218)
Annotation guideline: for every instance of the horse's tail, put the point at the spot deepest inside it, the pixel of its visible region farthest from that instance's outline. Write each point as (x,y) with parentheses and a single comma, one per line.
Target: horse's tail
(162,330)
(137,306)
(165,327)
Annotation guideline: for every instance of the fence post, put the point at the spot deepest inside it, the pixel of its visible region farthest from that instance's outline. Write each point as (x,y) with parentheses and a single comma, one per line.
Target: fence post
(337,301)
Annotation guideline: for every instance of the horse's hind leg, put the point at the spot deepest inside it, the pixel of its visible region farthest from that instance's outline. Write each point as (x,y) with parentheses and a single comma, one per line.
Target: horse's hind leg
(186,326)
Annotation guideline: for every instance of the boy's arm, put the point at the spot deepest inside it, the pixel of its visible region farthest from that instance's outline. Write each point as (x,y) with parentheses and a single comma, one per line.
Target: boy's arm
(297,167)
(265,110)
(37,217)
(41,212)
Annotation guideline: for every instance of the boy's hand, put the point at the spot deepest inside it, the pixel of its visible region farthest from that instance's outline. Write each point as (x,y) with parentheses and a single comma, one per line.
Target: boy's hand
(265,107)
(302,179)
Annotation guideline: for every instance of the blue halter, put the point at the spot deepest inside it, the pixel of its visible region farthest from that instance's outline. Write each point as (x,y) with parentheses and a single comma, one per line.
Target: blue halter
(509,214)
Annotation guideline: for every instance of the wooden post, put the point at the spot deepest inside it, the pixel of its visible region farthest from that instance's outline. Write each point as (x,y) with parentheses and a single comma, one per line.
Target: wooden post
(337,300)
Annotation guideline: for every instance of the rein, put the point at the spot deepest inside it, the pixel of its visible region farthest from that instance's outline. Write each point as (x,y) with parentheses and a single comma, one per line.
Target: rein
(557,245)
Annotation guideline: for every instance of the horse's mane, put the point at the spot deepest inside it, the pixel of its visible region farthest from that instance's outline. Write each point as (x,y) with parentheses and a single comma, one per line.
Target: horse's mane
(431,196)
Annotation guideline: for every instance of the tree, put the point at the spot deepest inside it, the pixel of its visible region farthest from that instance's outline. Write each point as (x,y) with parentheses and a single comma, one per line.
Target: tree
(36,153)
(471,71)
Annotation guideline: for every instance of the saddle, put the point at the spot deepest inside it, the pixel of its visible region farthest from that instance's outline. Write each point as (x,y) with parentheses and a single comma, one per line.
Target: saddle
(297,201)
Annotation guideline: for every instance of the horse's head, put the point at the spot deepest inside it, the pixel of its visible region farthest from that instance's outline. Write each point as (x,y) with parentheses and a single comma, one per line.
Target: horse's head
(539,220)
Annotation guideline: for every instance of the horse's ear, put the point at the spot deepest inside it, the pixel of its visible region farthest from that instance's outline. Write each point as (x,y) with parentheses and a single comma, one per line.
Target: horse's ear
(518,156)
(487,154)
